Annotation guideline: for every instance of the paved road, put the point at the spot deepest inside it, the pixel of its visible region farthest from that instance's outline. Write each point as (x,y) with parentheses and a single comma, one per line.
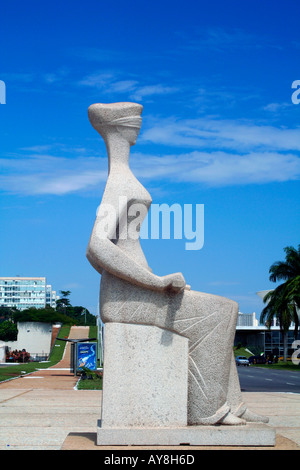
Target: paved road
(256,379)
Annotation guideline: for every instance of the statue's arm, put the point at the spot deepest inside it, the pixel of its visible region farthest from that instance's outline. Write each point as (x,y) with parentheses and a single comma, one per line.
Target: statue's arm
(103,254)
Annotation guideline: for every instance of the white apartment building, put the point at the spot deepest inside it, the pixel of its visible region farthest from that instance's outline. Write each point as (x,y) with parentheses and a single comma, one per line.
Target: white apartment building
(25,292)
(51,296)
(246,319)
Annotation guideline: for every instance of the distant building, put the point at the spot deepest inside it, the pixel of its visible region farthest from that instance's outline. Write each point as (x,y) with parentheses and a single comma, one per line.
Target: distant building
(246,319)
(260,339)
(257,337)
(51,296)
(25,292)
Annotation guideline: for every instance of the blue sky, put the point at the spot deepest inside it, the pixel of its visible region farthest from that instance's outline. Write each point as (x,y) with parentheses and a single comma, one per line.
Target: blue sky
(219,128)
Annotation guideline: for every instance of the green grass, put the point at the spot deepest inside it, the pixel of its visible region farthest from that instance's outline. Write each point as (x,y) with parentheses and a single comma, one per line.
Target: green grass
(94,384)
(59,346)
(241,352)
(93,332)
(280,365)
(10,372)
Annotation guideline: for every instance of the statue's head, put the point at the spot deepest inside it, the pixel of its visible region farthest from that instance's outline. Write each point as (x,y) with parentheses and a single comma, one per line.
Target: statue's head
(122,118)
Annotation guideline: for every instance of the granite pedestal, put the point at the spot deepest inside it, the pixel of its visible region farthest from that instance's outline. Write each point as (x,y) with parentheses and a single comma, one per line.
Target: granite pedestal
(144,399)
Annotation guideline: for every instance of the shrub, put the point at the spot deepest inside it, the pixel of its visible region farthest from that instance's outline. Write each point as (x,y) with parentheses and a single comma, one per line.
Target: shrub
(8,331)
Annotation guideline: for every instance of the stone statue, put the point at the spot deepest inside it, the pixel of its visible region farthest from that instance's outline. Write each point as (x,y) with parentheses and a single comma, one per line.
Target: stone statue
(131,293)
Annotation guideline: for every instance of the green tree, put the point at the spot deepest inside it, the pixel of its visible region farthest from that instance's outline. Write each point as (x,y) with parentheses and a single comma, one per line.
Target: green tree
(288,269)
(44,315)
(8,331)
(64,301)
(283,301)
(80,314)
(7,313)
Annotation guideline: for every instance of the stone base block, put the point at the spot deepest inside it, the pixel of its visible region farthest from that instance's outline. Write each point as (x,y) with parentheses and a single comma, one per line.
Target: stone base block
(145,377)
(251,434)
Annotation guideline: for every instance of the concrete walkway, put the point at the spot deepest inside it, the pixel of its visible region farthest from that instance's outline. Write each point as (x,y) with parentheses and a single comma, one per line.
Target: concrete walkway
(43,411)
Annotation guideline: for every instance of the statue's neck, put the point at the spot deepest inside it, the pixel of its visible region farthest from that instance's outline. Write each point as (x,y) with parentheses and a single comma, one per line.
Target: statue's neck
(118,151)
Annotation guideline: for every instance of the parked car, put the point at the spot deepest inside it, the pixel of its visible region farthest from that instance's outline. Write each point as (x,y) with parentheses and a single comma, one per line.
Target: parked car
(242,361)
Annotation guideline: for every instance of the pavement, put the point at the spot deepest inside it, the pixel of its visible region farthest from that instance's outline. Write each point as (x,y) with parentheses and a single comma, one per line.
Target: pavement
(45,411)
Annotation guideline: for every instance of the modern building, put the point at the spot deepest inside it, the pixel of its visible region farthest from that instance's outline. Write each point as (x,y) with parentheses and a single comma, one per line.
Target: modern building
(51,296)
(25,292)
(259,338)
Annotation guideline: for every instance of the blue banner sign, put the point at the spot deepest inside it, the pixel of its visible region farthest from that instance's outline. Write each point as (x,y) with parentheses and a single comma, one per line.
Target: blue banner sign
(87,356)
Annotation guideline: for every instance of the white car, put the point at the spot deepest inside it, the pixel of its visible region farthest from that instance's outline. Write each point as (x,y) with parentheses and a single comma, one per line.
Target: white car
(242,361)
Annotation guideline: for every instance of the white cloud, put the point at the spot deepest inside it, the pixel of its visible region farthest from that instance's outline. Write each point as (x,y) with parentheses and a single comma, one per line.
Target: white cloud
(110,84)
(277,107)
(150,90)
(219,168)
(227,153)
(122,86)
(58,175)
(97,80)
(46,174)
(222,134)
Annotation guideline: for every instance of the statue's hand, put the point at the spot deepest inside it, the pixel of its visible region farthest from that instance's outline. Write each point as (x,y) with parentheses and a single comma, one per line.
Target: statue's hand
(174,282)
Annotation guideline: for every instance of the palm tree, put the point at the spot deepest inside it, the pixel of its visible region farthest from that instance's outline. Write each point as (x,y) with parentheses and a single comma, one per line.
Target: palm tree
(288,269)
(283,302)
(280,306)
